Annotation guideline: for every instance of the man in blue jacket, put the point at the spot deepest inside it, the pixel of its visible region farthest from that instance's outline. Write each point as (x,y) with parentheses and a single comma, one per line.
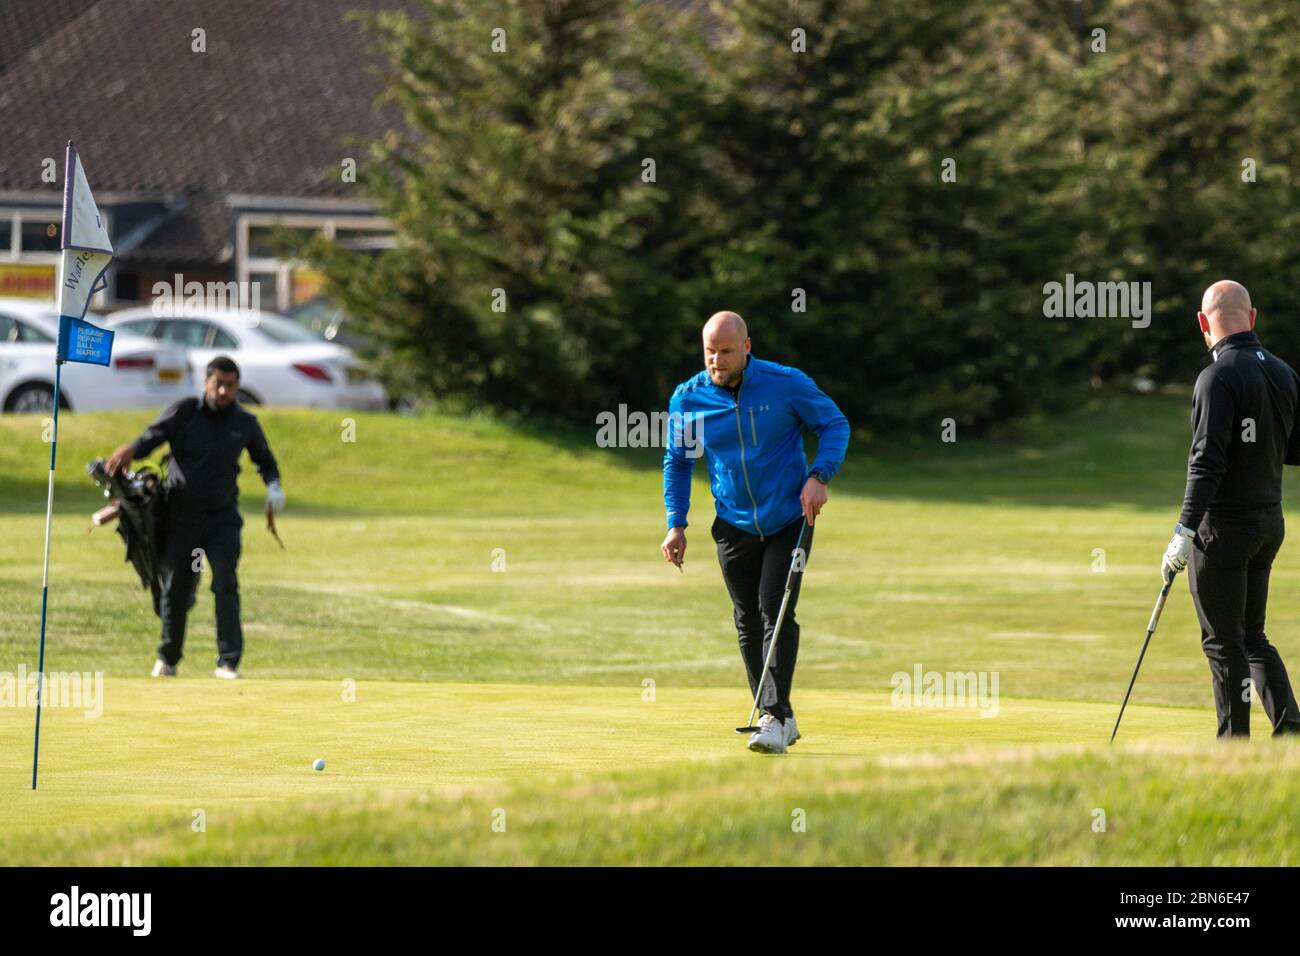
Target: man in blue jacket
(748,417)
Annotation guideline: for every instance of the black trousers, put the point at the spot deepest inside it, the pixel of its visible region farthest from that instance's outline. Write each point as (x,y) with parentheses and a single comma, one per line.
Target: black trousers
(755,570)
(1228,574)
(217,536)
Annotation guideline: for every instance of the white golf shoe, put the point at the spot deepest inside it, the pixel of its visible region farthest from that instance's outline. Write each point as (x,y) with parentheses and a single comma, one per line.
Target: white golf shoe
(226,672)
(791,731)
(771,736)
(163,669)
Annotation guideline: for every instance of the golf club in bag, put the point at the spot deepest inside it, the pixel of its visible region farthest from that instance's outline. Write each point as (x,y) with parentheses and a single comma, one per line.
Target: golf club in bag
(797,561)
(1151,629)
(138,504)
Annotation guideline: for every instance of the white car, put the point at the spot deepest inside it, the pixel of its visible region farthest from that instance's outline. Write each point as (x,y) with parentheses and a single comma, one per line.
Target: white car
(143,373)
(280,361)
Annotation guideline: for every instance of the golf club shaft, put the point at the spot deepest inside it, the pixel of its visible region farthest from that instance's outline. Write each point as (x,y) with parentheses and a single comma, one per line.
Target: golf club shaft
(1151,629)
(780,619)
(767,661)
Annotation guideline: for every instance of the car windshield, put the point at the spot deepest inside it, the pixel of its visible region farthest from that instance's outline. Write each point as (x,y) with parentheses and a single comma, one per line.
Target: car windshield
(29,331)
(321,316)
(279,329)
(44,326)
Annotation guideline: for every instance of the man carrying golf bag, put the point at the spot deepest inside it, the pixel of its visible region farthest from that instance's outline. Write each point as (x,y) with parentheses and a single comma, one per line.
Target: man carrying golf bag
(1230,530)
(207,435)
(747,417)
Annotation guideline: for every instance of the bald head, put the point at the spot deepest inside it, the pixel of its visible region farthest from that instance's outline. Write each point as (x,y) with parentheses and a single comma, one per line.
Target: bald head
(726,348)
(1225,310)
(726,324)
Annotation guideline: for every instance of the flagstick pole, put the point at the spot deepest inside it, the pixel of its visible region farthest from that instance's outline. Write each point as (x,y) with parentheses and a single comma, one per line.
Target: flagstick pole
(45,573)
(92,251)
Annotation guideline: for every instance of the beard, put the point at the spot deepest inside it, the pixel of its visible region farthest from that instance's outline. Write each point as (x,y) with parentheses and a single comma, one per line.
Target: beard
(728,380)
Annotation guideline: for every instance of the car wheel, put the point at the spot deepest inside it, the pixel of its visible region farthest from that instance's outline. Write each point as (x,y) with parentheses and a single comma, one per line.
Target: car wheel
(34,397)
(247,398)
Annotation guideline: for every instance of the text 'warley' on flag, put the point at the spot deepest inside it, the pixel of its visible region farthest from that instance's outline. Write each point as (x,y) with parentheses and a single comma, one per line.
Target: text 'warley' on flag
(86,255)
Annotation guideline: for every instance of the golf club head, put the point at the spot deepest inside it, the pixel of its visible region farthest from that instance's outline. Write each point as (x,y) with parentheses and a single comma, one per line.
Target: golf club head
(746,730)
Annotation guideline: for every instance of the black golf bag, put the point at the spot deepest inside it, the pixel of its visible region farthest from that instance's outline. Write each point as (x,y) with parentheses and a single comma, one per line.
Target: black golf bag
(138,501)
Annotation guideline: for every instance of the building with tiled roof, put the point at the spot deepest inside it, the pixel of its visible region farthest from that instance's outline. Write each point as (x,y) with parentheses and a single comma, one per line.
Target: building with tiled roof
(199,124)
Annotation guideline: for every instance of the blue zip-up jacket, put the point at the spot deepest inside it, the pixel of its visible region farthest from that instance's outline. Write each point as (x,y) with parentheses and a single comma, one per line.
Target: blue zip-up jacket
(753,445)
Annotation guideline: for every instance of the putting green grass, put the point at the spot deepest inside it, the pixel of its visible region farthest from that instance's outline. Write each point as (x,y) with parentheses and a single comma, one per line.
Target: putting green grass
(416,771)
(496,594)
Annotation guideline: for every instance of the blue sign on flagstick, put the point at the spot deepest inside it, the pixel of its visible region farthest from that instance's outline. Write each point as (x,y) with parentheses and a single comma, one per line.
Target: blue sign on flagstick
(80,341)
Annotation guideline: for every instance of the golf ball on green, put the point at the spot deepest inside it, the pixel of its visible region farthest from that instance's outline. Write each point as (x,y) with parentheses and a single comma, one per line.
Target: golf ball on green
(318,765)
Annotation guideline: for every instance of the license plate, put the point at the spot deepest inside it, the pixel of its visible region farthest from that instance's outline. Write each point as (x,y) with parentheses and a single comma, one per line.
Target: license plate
(356,375)
(170,375)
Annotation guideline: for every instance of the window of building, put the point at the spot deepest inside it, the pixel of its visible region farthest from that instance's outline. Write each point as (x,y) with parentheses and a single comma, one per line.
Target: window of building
(30,234)
(127,286)
(39,235)
(268,289)
(285,283)
(262,242)
(366,240)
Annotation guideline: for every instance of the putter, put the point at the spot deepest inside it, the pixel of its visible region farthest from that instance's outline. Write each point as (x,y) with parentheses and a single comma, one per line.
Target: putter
(270,526)
(776,631)
(1151,629)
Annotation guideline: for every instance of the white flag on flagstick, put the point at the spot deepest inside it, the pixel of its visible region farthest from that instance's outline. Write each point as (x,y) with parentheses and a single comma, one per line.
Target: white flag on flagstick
(86,248)
(86,255)
(83,227)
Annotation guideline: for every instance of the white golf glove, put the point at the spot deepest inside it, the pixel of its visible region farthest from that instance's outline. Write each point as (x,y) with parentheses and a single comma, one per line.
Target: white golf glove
(1178,552)
(275,497)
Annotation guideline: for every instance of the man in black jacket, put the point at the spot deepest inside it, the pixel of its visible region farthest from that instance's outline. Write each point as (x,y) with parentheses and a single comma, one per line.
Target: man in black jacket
(1230,530)
(207,435)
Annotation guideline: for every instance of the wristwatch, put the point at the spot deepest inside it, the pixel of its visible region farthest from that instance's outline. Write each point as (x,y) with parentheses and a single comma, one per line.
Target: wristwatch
(820,476)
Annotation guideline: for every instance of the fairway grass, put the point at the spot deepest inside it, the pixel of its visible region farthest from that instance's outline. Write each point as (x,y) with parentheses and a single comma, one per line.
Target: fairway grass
(419,772)
(495,598)
(439,549)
